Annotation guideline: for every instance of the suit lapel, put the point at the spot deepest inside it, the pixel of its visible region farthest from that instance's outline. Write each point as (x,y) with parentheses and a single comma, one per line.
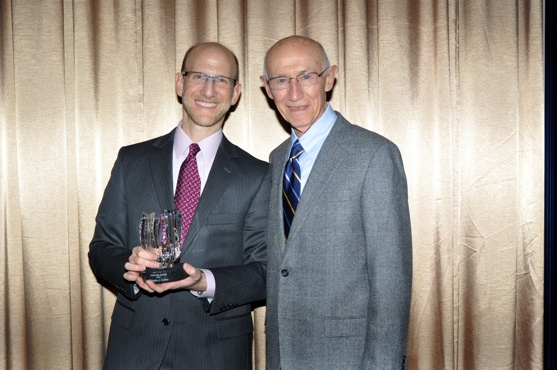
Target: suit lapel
(160,162)
(329,163)
(279,162)
(219,178)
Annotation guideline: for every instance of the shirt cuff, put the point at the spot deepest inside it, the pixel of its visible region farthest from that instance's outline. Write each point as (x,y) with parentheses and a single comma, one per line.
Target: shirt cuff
(211,285)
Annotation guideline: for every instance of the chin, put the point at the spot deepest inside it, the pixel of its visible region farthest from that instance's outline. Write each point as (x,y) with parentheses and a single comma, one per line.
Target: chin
(301,127)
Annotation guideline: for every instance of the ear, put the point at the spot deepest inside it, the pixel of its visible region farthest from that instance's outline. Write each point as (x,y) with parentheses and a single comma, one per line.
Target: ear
(266,86)
(236,93)
(330,78)
(179,79)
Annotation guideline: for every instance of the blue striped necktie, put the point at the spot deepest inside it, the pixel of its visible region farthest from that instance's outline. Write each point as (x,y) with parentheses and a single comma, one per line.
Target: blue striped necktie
(292,186)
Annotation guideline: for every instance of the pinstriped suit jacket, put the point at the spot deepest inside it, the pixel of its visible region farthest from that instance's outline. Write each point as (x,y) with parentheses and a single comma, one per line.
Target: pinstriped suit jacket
(338,292)
(227,235)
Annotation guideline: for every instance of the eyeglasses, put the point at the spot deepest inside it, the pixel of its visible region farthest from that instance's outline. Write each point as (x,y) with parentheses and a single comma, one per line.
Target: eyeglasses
(303,80)
(200,78)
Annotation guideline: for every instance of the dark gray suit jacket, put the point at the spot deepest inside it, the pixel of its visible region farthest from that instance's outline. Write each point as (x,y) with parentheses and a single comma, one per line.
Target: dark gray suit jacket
(338,293)
(227,236)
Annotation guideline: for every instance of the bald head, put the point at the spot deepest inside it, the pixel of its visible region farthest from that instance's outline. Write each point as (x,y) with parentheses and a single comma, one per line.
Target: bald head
(293,62)
(297,42)
(212,46)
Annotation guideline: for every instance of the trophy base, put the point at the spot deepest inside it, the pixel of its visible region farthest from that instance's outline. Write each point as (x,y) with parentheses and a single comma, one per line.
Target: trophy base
(165,275)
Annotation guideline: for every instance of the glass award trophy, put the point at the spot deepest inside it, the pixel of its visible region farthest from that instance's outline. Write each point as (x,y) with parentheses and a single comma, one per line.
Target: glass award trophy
(162,235)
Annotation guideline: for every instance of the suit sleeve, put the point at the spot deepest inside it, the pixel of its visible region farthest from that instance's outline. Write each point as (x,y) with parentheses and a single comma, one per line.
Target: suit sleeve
(387,230)
(108,251)
(246,283)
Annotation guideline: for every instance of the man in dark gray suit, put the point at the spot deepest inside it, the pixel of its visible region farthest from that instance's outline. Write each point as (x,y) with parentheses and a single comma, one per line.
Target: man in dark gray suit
(203,321)
(340,261)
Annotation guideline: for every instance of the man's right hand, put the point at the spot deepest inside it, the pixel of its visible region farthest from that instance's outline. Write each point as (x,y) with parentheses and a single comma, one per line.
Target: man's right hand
(139,260)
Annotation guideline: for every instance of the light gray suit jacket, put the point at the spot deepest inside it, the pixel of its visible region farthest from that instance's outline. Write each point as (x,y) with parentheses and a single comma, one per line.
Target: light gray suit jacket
(338,292)
(227,235)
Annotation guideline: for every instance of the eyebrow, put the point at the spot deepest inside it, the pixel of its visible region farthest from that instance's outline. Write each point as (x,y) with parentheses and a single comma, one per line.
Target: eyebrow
(299,73)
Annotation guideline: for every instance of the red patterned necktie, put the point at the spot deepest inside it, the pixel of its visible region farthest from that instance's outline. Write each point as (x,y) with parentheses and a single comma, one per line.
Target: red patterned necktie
(188,189)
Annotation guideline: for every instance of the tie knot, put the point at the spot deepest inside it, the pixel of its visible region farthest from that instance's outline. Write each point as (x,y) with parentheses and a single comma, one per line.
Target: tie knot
(296,150)
(194,149)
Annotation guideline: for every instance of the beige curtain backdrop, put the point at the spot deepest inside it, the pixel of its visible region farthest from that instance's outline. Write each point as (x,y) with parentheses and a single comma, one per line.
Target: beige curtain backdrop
(456,84)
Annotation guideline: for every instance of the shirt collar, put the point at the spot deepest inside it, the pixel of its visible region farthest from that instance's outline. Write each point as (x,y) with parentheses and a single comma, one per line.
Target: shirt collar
(208,146)
(315,136)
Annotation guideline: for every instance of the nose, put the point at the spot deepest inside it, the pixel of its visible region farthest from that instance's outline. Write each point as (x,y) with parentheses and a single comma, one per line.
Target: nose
(208,87)
(295,91)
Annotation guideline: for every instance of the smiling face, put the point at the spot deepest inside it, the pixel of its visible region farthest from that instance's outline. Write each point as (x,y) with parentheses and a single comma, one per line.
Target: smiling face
(205,105)
(290,57)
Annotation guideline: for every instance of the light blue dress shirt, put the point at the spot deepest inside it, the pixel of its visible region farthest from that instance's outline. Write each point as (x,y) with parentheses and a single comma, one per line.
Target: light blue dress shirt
(312,141)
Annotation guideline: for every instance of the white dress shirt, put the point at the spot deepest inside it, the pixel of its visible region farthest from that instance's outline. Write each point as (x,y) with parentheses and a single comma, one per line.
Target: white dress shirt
(205,159)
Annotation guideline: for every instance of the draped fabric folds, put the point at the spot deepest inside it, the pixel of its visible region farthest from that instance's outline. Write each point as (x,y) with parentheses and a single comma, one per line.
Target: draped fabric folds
(456,84)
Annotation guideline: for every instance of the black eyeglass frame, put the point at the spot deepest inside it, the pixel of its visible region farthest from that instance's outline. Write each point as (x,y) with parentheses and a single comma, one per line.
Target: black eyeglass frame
(207,77)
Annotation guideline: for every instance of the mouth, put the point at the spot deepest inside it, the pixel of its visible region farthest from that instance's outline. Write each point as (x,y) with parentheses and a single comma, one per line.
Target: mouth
(205,104)
(298,108)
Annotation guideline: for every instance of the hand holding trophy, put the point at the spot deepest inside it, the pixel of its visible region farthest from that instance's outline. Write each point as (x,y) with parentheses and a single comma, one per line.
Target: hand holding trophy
(162,235)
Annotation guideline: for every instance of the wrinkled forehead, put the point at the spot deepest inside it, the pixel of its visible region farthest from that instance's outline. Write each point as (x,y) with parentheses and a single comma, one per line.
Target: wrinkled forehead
(293,57)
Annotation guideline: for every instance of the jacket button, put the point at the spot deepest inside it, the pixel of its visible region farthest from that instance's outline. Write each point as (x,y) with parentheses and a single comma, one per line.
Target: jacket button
(284,273)
(165,322)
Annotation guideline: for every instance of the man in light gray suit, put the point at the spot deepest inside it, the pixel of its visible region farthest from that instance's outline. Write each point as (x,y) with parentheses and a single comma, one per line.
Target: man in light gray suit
(340,261)
(203,321)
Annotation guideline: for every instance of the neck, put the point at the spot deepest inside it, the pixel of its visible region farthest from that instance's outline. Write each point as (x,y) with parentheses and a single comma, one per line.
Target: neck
(196,132)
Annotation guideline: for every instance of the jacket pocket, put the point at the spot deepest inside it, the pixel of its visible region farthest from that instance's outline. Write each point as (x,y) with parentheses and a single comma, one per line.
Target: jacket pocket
(234,327)
(345,327)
